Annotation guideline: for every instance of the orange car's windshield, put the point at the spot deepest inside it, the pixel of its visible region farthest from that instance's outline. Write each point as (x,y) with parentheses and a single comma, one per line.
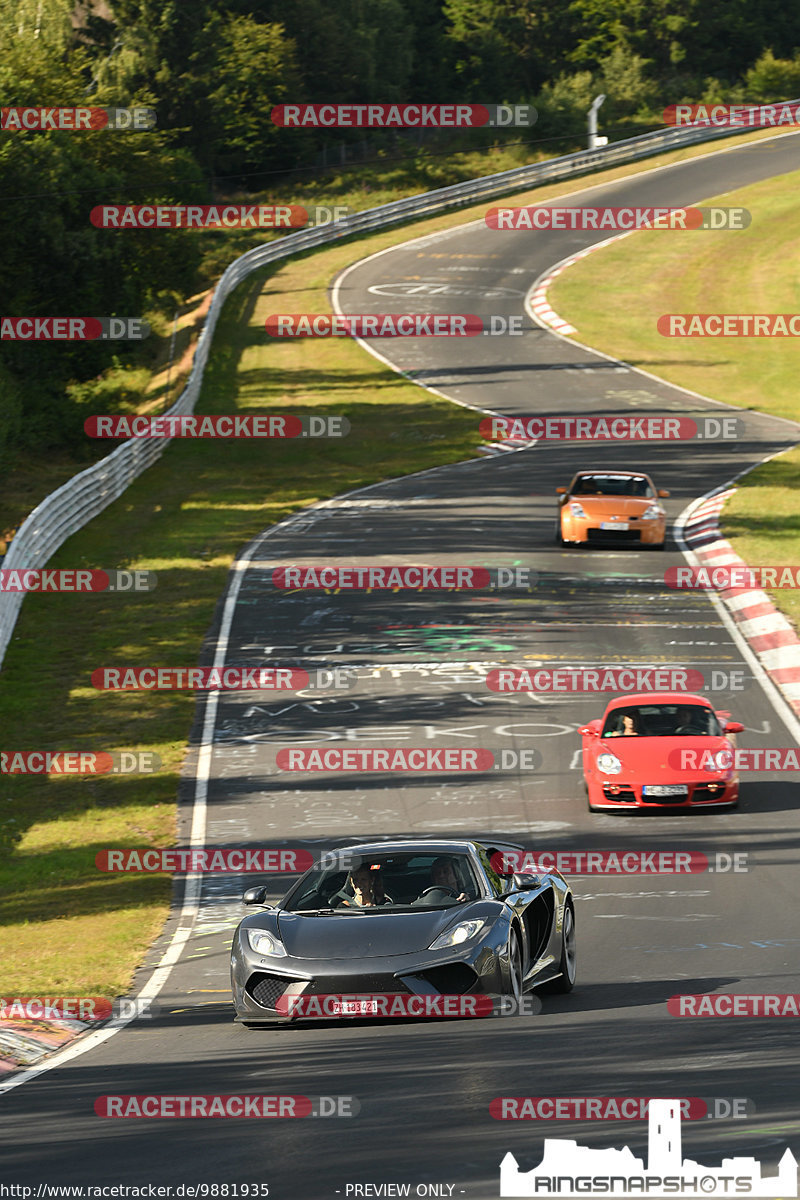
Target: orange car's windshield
(612,485)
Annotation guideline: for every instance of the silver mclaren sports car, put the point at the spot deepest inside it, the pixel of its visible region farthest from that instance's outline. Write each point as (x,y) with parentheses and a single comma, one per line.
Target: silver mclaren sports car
(401,919)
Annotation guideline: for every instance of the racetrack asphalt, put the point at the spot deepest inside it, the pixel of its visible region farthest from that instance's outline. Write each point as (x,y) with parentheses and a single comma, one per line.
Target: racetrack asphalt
(424,1088)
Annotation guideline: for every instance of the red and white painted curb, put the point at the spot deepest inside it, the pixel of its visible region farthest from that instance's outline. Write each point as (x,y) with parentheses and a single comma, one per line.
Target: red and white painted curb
(537,301)
(770,635)
(24,1043)
(504,447)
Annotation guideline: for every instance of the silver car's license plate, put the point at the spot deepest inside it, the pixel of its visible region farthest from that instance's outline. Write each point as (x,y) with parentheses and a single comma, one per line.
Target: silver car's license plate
(354,1008)
(665,789)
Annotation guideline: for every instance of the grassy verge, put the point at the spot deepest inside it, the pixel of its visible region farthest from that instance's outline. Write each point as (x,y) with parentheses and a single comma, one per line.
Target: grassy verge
(712,272)
(762,522)
(64,927)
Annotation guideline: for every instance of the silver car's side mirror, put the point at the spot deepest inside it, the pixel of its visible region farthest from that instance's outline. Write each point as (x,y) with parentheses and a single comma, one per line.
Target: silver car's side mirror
(256,895)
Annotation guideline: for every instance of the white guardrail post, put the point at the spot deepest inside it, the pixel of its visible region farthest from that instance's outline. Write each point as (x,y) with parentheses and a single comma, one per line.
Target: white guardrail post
(81,498)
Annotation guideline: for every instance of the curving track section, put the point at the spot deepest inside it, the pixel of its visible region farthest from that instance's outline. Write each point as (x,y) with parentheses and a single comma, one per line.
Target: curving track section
(425,1089)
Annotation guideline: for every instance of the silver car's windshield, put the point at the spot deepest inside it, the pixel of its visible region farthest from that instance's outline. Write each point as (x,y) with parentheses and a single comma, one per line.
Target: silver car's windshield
(386,883)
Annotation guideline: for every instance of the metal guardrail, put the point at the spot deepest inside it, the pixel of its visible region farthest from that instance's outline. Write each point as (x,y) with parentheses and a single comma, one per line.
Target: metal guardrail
(81,498)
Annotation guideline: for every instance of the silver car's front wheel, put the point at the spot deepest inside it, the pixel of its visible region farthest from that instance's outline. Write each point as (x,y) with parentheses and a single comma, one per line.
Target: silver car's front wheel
(514,966)
(569,953)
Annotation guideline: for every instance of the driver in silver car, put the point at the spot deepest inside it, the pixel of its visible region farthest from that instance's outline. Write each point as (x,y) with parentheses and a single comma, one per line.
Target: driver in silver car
(443,875)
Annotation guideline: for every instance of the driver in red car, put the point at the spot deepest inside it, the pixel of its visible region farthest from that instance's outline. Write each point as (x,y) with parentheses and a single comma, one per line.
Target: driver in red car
(629,728)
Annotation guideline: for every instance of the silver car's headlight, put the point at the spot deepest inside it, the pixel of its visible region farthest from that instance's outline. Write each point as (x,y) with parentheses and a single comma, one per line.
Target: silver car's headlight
(465,931)
(608,763)
(577,509)
(652,512)
(266,943)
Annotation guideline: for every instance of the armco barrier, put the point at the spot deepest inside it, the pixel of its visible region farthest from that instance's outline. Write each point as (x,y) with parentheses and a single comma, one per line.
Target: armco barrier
(73,505)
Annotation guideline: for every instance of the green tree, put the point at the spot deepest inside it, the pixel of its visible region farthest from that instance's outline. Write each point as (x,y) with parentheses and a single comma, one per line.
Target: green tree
(773,78)
(255,70)
(505,49)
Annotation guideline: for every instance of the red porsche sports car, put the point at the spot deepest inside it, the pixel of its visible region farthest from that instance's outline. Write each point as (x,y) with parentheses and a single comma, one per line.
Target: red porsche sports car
(659,750)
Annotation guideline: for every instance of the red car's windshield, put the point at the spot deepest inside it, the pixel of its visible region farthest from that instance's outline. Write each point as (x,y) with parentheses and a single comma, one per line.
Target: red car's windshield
(662,720)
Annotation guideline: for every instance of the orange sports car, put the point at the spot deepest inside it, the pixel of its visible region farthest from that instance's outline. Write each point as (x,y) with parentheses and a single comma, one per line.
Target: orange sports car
(612,507)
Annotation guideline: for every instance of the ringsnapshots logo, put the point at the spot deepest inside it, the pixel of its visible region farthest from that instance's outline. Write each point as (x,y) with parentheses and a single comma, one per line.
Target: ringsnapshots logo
(402,577)
(744,325)
(79,762)
(611,429)
(215,216)
(73,329)
(35,579)
(402,116)
(221,679)
(76,1008)
(76,120)
(570,1170)
(237,1106)
(615,1108)
(548,217)
(205,860)
(219,425)
(732,116)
